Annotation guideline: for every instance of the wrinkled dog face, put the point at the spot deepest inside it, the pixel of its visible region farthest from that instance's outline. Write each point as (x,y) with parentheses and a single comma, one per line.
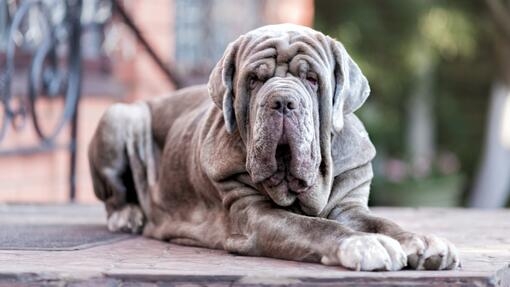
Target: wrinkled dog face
(282,137)
(286,89)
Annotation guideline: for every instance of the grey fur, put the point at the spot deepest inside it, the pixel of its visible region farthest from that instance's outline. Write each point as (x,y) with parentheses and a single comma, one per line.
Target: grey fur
(276,164)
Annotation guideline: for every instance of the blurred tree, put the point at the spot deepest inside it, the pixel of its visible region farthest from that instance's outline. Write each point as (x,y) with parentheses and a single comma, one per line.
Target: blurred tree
(420,59)
(492,184)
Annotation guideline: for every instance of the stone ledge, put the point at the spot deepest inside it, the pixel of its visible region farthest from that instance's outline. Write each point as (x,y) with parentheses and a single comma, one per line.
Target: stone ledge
(483,239)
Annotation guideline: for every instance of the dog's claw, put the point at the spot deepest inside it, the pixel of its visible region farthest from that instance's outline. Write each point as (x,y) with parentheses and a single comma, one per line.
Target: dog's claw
(430,252)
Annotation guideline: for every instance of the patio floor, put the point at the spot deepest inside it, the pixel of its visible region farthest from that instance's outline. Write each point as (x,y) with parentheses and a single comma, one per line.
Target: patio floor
(483,238)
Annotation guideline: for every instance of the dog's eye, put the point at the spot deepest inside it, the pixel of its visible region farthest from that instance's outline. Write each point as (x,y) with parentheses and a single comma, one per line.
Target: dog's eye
(253,83)
(312,81)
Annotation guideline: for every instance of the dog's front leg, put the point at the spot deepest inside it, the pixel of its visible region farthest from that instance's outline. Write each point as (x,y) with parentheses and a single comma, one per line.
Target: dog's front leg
(259,228)
(423,251)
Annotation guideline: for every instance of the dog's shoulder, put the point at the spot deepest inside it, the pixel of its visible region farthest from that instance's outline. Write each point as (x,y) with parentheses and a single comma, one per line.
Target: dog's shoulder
(351,147)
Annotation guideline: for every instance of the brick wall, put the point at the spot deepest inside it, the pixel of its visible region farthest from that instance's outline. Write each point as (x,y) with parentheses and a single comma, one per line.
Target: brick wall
(44,177)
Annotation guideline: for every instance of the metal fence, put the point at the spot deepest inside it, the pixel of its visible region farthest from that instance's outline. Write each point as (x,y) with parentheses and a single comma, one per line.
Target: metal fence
(46,35)
(43,38)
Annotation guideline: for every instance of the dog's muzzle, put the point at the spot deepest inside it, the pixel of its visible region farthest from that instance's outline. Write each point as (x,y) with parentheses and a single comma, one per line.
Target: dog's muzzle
(284,152)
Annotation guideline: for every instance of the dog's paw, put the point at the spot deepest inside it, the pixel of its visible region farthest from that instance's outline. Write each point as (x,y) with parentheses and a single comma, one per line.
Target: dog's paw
(370,252)
(128,219)
(429,252)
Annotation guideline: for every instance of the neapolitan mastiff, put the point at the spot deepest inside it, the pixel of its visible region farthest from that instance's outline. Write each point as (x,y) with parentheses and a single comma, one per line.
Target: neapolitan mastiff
(268,159)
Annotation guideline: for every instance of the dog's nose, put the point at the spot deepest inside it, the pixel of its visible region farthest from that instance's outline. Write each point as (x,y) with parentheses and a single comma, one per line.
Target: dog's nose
(283,104)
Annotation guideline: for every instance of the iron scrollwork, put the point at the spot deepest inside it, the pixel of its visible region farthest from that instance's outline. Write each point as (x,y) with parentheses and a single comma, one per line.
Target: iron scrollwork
(47,32)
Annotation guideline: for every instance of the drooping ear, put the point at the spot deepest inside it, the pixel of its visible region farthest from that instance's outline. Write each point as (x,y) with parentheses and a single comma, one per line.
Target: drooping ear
(351,87)
(220,85)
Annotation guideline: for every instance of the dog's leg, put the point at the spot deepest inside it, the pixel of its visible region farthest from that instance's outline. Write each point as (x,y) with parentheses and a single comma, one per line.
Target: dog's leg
(423,251)
(349,206)
(129,218)
(260,229)
(122,165)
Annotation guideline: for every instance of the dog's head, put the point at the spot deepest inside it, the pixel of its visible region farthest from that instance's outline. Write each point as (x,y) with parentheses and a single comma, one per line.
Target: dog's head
(286,89)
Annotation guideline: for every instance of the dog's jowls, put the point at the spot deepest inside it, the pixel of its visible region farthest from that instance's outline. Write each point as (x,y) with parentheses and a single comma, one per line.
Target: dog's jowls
(268,159)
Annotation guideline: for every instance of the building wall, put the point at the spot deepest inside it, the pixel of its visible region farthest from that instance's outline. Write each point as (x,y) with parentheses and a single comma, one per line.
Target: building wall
(44,177)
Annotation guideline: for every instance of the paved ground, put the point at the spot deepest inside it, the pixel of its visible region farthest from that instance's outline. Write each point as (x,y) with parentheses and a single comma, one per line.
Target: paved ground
(483,238)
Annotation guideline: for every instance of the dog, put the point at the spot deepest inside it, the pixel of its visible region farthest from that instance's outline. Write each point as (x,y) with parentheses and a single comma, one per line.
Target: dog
(267,159)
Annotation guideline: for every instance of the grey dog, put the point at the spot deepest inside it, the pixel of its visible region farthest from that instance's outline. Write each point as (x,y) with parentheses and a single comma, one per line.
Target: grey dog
(268,159)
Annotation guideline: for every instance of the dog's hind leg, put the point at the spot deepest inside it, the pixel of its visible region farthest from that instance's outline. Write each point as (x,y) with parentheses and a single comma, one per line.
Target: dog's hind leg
(122,165)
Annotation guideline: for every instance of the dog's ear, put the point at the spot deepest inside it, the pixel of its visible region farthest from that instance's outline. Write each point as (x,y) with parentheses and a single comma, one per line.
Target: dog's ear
(351,87)
(220,85)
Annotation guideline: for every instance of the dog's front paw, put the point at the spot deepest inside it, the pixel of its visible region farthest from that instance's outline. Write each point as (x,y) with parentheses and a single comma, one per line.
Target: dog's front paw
(429,252)
(128,219)
(370,252)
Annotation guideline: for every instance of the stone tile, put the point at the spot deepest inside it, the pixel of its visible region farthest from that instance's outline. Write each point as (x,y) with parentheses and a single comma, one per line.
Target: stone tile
(482,238)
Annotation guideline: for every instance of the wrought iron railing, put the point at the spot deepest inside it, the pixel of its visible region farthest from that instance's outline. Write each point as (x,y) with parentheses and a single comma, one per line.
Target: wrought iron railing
(48,33)
(49,37)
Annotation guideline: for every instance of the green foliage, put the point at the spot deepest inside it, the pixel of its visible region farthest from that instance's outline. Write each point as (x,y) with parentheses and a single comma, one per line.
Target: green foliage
(448,32)
(393,41)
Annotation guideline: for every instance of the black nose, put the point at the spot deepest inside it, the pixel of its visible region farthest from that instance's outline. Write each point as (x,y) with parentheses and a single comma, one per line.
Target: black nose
(283,104)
